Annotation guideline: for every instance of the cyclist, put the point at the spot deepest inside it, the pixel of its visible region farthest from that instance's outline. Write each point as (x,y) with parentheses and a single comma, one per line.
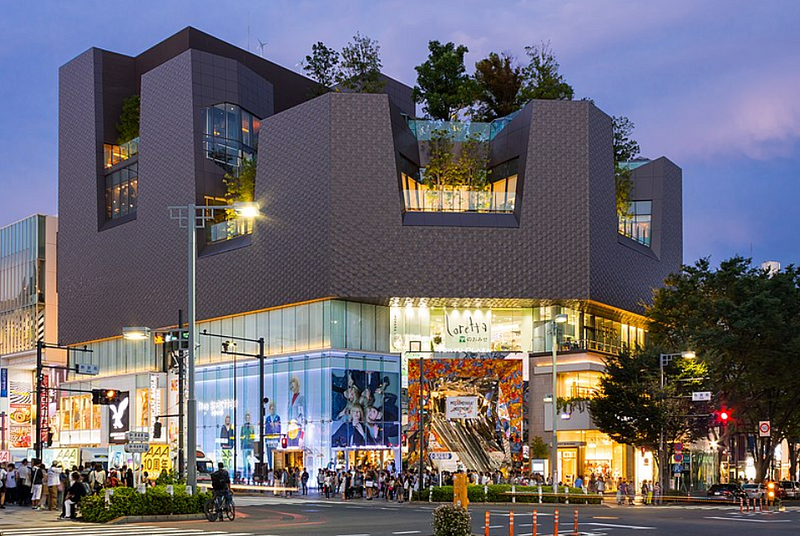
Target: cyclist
(221,484)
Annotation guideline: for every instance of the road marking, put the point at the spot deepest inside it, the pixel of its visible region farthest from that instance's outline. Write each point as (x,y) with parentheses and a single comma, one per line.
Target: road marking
(352,535)
(752,520)
(611,525)
(408,532)
(130,530)
(354,507)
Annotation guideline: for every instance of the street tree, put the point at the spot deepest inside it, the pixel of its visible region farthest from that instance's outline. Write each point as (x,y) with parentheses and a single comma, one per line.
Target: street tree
(542,79)
(498,80)
(360,66)
(443,84)
(744,323)
(632,408)
(322,66)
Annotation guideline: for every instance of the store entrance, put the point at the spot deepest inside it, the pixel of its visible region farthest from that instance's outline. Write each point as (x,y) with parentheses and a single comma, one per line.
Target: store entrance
(568,465)
(286,459)
(377,458)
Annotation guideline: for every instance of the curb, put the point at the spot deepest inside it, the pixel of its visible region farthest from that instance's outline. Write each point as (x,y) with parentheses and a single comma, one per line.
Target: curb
(155,519)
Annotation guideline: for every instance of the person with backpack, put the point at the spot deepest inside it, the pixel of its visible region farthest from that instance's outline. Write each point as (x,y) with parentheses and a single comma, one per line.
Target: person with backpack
(221,484)
(97,478)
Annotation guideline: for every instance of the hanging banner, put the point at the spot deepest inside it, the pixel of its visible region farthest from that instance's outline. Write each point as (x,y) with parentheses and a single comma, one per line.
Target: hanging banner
(119,418)
(461,407)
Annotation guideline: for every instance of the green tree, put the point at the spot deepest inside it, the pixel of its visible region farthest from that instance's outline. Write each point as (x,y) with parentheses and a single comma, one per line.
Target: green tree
(240,186)
(128,125)
(470,169)
(322,66)
(498,80)
(360,66)
(443,84)
(625,149)
(440,169)
(542,79)
(744,322)
(633,409)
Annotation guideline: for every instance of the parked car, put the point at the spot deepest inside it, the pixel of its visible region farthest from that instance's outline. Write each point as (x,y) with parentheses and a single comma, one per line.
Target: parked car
(726,491)
(792,489)
(754,491)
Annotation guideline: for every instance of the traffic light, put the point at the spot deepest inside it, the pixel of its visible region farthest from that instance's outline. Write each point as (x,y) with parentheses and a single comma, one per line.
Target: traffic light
(284,442)
(104,397)
(771,490)
(722,416)
(48,442)
(156,430)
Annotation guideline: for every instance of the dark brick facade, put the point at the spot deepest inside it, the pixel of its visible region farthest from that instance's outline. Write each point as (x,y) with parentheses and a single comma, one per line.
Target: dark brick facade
(328,185)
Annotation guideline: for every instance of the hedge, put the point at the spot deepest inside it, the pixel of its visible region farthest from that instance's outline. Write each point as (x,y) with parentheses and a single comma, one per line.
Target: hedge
(502,493)
(129,502)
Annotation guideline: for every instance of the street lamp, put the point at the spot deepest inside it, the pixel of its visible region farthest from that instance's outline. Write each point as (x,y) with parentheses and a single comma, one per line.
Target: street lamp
(139,333)
(559,319)
(663,361)
(194,218)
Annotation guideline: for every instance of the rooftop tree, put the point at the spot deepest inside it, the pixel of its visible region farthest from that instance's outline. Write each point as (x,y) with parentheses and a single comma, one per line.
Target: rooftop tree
(322,66)
(498,79)
(360,65)
(443,84)
(128,125)
(625,149)
(542,79)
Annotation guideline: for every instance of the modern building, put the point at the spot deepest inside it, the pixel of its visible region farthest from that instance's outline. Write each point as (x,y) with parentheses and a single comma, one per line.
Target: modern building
(28,313)
(359,258)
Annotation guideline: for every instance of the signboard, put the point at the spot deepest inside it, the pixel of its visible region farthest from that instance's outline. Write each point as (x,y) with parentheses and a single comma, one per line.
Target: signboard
(3,383)
(140,448)
(441,455)
(677,458)
(44,407)
(468,330)
(678,447)
(5,456)
(87,368)
(156,407)
(137,437)
(461,407)
(119,418)
(701,396)
(156,459)
(764,428)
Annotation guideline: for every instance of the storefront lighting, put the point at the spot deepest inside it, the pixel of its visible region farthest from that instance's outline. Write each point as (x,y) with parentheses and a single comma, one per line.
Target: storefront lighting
(247,210)
(139,333)
(565,416)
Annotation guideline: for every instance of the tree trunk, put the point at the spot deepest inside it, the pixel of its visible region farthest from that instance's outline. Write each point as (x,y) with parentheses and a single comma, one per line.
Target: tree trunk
(793,459)
(763,457)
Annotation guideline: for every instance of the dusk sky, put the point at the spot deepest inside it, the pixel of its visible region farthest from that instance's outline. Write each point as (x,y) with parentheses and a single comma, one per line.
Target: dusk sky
(714,86)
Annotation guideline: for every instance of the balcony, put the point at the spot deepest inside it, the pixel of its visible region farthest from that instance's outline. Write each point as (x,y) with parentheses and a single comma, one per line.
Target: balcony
(229,229)
(459,130)
(423,200)
(114,154)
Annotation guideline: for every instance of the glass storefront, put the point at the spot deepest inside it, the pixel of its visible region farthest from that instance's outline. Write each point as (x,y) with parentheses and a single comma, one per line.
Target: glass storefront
(324,409)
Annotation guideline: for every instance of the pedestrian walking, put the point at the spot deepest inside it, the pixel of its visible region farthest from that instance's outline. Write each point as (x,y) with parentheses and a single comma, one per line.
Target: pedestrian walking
(304,481)
(53,484)
(12,477)
(24,484)
(37,479)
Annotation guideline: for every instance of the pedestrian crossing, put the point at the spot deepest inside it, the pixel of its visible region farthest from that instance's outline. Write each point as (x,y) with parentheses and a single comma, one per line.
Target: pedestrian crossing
(80,529)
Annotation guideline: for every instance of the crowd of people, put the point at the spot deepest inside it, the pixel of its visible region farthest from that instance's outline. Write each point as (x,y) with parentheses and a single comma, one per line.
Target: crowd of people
(57,488)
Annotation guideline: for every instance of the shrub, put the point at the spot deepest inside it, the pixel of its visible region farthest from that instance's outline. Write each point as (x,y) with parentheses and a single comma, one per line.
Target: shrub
(502,493)
(451,520)
(155,501)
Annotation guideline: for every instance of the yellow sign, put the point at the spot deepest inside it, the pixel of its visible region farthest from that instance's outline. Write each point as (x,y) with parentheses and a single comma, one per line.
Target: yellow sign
(460,490)
(155,460)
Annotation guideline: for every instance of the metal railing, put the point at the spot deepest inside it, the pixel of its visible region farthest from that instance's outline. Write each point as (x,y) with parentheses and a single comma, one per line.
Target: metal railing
(114,154)
(458,201)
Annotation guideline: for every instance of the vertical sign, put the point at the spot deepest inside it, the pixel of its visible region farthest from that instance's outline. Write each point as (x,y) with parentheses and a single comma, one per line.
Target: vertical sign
(155,405)
(119,418)
(44,409)
(3,383)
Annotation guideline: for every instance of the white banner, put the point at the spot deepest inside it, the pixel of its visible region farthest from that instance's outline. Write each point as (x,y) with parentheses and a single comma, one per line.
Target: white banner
(461,407)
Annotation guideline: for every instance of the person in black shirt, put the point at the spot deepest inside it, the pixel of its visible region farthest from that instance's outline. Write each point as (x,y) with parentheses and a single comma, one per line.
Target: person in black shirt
(221,484)
(74,495)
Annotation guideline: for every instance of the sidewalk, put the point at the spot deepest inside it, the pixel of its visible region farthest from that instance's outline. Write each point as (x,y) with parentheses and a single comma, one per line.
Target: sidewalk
(24,516)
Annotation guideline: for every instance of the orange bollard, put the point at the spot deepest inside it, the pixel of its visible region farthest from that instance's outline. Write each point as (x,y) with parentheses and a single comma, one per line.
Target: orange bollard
(535,521)
(486,524)
(761,506)
(575,524)
(511,524)
(555,523)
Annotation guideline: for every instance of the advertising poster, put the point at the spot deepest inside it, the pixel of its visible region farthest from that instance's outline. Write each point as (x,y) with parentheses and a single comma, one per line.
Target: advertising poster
(119,416)
(20,404)
(461,407)
(365,408)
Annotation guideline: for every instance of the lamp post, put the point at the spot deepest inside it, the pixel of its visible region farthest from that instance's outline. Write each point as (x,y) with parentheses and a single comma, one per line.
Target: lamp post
(663,361)
(558,319)
(194,218)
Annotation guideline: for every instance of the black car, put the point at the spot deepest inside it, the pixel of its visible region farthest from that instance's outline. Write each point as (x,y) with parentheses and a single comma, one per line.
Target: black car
(726,491)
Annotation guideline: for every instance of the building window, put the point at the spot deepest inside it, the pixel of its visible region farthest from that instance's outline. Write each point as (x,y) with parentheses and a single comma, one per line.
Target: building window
(230,134)
(122,192)
(637,224)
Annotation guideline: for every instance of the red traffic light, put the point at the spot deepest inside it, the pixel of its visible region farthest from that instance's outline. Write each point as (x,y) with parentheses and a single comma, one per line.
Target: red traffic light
(284,442)
(723,415)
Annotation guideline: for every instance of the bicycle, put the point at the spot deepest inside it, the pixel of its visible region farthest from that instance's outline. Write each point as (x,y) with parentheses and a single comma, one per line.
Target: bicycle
(218,505)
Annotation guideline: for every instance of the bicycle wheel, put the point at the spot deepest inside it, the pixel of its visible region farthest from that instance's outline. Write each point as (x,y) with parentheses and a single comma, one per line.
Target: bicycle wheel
(210,510)
(231,512)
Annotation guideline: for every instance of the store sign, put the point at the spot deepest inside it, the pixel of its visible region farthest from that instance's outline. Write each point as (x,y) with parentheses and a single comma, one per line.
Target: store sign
(156,459)
(468,329)
(155,402)
(44,408)
(3,383)
(461,407)
(119,418)
(5,456)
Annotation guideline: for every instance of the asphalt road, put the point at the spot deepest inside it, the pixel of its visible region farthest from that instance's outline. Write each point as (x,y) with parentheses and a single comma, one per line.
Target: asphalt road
(295,517)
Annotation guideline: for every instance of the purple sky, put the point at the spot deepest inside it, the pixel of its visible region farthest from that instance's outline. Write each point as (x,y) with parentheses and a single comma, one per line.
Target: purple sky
(714,86)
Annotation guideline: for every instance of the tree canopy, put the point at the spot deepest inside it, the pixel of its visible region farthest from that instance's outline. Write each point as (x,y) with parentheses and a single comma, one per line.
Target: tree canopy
(360,66)
(498,81)
(443,84)
(128,125)
(744,323)
(322,66)
(625,149)
(542,79)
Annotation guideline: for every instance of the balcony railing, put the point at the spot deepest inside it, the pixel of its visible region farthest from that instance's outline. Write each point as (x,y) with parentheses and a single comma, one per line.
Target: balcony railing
(226,230)
(458,201)
(459,130)
(114,154)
